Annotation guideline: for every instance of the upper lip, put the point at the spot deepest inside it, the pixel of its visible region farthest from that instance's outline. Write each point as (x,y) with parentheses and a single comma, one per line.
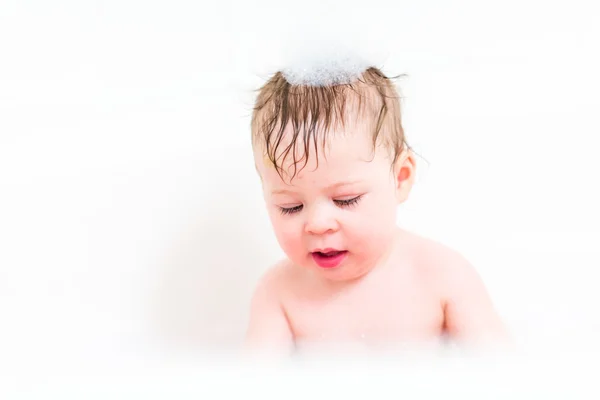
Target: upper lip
(327,250)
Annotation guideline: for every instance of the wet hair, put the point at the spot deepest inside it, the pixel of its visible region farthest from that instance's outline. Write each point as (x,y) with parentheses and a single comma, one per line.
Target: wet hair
(371,100)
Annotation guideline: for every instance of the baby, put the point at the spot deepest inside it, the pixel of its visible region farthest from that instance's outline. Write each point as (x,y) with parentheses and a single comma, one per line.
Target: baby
(331,154)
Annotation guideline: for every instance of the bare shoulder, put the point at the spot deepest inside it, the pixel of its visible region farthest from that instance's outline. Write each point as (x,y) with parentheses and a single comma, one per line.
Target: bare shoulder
(268,326)
(437,260)
(449,272)
(469,312)
(276,278)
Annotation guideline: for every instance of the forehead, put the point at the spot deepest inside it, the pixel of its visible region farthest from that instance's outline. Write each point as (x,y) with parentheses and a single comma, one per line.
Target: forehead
(346,153)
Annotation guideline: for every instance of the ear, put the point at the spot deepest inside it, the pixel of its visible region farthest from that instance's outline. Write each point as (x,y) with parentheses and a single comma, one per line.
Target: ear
(404,174)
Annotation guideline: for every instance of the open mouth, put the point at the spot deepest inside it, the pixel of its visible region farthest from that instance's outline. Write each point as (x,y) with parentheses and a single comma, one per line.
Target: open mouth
(329,259)
(329,253)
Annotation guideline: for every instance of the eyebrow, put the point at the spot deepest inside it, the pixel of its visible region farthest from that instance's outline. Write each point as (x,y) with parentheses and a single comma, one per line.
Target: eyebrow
(334,186)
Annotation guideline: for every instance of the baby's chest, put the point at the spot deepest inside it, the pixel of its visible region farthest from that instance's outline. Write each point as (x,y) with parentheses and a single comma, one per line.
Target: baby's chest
(402,313)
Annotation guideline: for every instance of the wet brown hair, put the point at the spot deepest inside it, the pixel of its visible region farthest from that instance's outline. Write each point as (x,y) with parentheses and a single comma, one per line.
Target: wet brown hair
(373,96)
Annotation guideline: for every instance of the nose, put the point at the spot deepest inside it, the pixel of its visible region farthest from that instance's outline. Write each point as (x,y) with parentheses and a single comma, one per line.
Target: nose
(320,220)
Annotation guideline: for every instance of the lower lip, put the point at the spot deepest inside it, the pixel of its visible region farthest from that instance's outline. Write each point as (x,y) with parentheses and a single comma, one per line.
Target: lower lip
(329,262)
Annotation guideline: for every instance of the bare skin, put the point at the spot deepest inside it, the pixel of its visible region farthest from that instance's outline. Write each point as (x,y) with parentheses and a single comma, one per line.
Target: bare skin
(425,291)
(392,287)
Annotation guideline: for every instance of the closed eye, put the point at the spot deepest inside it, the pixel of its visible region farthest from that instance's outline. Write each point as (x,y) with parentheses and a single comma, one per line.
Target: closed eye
(342,203)
(290,210)
(348,202)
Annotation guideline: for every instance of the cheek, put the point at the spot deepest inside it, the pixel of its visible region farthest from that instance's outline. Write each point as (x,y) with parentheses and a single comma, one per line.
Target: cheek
(288,231)
(380,210)
(376,221)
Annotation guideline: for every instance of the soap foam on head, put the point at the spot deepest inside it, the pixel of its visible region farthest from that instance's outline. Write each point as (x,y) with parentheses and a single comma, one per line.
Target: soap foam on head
(328,48)
(325,68)
(323,61)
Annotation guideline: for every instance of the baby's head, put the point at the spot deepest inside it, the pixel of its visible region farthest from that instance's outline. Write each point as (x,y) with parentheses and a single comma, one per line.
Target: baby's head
(334,165)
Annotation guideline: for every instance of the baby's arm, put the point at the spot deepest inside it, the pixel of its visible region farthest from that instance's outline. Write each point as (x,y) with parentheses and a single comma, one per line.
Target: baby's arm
(268,328)
(470,317)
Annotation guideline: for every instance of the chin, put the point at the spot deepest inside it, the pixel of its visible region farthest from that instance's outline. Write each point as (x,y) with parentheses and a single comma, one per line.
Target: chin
(342,273)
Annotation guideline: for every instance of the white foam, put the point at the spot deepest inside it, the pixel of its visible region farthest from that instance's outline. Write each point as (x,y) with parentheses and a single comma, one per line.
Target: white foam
(323,45)
(328,53)
(323,67)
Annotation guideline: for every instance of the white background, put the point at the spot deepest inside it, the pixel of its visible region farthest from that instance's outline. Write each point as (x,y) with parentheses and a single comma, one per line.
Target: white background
(131,218)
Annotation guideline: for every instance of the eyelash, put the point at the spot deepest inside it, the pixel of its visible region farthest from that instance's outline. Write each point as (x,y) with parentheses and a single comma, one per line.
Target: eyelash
(343,203)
